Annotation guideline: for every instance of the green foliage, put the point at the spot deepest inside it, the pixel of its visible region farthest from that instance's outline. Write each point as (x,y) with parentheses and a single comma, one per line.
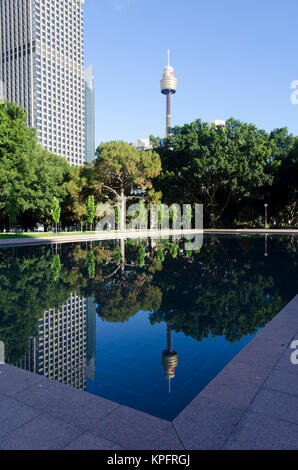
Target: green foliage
(90,210)
(160,255)
(225,289)
(284,191)
(142,215)
(13,208)
(56,211)
(217,165)
(56,267)
(117,215)
(232,170)
(188,249)
(141,256)
(174,250)
(73,206)
(160,214)
(125,296)
(188,216)
(173,214)
(90,263)
(117,255)
(124,171)
(26,168)
(121,166)
(27,289)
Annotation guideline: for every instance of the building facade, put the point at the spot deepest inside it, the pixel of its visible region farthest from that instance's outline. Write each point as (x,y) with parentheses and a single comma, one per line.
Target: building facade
(142,144)
(218,122)
(41,67)
(89,114)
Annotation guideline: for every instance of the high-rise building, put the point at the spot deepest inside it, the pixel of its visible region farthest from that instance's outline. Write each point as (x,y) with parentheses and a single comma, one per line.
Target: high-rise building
(142,144)
(218,122)
(89,114)
(41,66)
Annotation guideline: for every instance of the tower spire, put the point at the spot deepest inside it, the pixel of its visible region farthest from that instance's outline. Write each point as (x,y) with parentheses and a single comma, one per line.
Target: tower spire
(168,86)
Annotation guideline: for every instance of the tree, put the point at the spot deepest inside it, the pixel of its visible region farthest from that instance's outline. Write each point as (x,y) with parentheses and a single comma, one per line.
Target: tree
(160,215)
(216,165)
(143,222)
(13,208)
(56,211)
(33,173)
(173,215)
(52,175)
(117,215)
(125,172)
(284,190)
(90,210)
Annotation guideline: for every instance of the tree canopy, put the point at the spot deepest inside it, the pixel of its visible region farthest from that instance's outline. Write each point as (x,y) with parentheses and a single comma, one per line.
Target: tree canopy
(31,172)
(231,169)
(125,172)
(215,165)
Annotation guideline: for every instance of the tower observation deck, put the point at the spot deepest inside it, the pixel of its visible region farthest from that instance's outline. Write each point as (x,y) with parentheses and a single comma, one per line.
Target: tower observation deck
(168,86)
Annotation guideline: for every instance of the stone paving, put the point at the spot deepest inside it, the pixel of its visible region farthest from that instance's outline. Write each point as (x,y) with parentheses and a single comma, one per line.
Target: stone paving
(251,404)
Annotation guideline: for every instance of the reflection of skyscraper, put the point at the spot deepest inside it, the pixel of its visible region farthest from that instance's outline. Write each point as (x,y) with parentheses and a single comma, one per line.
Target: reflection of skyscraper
(91,338)
(169,358)
(28,361)
(60,351)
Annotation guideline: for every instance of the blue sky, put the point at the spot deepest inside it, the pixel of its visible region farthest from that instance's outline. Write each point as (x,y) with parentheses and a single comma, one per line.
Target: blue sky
(231,58)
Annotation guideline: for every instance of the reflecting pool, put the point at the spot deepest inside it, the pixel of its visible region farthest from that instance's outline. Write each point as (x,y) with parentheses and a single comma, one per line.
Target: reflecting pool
(143,322)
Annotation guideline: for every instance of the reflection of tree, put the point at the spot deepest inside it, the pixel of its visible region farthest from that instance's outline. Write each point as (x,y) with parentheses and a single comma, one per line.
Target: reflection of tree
(227,288)
(90,263)
(30,283)
(56,267)
(126,289)
(126,295)
(119,282)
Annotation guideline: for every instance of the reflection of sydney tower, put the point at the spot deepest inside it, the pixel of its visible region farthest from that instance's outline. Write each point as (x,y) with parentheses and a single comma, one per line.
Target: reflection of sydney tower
(168,86)
(169,358)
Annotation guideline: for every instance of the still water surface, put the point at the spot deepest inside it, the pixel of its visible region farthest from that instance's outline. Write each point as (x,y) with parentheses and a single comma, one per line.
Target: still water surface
(143,323)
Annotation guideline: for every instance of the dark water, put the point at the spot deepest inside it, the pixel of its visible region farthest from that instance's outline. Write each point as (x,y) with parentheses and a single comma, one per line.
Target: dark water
(147,323)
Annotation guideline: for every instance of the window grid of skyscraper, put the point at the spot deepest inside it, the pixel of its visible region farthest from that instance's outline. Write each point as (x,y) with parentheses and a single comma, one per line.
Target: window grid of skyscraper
(42,59)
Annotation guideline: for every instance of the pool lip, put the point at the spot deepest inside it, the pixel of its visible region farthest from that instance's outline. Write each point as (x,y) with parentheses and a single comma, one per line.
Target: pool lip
(138,234)
(248,405)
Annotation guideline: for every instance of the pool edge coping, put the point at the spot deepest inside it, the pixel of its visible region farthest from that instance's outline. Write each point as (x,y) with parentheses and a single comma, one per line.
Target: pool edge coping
(139,234)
